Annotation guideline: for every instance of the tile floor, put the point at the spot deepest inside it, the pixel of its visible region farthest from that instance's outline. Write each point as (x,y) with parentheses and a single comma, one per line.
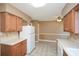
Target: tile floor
(44,49)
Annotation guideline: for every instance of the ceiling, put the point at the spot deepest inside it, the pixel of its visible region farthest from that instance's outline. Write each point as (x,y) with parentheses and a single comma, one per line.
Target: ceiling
(46,13)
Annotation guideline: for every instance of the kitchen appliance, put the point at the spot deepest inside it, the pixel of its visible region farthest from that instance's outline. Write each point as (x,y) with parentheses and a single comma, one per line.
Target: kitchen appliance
(28,32)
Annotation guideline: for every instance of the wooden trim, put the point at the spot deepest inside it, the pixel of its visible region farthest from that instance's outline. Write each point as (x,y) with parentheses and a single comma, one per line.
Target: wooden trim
(51,34)
(47,40)
(11,14)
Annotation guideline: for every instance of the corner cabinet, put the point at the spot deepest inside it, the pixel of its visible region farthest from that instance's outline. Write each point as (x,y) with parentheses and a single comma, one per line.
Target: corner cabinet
(71,21)
(9,22)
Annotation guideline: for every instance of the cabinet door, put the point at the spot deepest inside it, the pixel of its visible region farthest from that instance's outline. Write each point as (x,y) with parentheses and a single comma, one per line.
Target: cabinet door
(18,50)
(23,46)
(3,21)
(66,23)
(76,22)
(10,23)
(71,18)
(69,22)
(19,24)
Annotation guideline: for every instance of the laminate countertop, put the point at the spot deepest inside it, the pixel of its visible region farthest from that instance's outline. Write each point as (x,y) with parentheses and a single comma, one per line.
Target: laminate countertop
(11,41)
(71,47)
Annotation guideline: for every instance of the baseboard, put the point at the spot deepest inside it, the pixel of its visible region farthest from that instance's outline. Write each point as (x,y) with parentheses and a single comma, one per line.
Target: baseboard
(47,40)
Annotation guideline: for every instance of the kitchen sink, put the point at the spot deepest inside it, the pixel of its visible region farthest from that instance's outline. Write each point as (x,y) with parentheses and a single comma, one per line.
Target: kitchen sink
(72,51)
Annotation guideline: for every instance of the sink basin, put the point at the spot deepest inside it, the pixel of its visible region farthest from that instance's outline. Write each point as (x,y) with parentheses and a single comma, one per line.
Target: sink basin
(73,51)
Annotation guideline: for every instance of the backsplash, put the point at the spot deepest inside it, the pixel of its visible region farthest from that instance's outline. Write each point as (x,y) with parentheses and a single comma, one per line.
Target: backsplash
(9,35)
(74,36)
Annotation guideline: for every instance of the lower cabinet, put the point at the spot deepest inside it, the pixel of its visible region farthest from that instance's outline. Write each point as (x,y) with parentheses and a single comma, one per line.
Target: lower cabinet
(18,49)
(59,49)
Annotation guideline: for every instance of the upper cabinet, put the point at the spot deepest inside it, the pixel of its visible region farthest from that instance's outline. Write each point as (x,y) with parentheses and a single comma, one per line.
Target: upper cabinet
(19,24)
(71,21)
(9,22)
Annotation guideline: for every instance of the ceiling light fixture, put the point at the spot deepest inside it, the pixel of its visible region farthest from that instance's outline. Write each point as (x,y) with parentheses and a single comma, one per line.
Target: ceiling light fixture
(59,19)
(36,5)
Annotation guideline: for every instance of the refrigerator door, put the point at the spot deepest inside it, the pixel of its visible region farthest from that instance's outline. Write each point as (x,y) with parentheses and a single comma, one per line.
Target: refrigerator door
(28,33)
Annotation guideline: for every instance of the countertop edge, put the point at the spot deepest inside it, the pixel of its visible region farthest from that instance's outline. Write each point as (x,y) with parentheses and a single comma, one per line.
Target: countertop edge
(17,41)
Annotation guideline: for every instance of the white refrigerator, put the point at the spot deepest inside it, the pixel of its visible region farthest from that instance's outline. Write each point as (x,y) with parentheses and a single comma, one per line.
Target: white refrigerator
(28,32)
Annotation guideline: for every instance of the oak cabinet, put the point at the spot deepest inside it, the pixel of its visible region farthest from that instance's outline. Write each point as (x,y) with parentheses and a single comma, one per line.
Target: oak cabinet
(66,23)
(19,24)
(71,21)
(18,49)
(9,22)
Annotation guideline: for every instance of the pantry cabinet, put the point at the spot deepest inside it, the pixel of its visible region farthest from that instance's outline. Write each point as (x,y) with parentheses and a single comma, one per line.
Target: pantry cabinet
(18,49)
(71,21)
(9,22)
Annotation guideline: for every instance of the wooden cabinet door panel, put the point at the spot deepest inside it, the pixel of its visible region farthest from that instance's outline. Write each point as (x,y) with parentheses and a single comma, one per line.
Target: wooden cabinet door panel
(76,22)
(7,22)
(10,22)
(19,24)
(69,22)
(3,19)
(66,23)
(13,23)
(17,49)
(23,45)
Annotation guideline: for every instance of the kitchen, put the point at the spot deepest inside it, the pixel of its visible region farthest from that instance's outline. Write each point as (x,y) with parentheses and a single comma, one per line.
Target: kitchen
(21,34)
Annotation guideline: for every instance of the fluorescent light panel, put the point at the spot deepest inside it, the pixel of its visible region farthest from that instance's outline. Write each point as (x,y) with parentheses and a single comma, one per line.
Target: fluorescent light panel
(36,5)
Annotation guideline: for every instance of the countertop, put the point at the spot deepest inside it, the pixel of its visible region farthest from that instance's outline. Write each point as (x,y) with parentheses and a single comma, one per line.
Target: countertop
(71,47)
(11,41)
